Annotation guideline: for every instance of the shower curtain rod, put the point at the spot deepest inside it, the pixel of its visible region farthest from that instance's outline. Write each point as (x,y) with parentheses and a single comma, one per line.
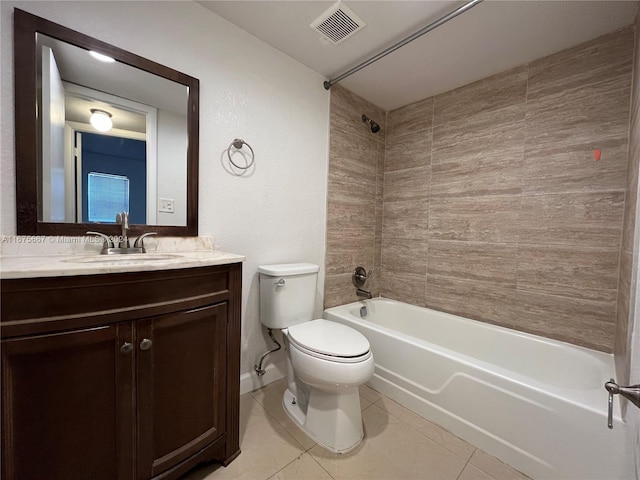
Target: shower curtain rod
(329,83)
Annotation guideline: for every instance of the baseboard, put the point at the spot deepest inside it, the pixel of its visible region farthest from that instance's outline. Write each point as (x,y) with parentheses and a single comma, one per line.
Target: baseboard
(251,381)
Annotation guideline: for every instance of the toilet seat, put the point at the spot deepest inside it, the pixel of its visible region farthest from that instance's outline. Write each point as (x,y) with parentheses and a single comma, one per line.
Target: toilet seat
(330,341)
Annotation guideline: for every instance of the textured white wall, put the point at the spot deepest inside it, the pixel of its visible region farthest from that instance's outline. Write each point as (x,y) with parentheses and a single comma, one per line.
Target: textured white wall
(276,212)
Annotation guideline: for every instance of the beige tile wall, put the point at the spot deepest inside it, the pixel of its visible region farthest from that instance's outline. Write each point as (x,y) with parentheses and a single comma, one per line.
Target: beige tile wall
(354,192)
(493,206)
(623,334)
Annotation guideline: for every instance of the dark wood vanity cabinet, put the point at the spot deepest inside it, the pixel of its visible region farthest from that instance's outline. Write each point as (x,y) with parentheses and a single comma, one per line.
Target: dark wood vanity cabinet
(181,401)
(120,376)
(67,405)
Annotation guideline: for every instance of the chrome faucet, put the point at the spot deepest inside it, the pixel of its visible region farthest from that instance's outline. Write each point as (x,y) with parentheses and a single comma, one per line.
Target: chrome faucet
(123,219)
(359,278)
(109,246)
(363,293)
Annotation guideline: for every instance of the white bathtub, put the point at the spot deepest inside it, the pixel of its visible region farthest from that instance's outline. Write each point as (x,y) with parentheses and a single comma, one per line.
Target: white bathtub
(537,404)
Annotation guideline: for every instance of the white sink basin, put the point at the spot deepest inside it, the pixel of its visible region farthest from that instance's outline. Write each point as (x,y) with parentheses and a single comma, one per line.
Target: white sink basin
(125,258)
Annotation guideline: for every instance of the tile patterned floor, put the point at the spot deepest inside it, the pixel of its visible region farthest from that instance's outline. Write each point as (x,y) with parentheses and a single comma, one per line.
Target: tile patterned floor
(398,445)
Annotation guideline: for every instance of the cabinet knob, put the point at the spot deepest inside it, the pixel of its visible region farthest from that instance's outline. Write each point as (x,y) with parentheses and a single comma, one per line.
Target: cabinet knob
(145,344)
(126,347)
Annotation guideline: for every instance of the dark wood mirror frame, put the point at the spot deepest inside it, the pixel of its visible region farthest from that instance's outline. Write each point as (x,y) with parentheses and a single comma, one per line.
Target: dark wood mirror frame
(26,26)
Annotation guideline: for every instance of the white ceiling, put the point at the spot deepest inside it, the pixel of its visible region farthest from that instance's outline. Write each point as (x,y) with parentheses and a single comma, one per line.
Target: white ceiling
(491,37)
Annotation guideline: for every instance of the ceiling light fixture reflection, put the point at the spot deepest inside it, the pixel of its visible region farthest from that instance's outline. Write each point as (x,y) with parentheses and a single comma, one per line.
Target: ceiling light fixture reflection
(101,120)
(101,57)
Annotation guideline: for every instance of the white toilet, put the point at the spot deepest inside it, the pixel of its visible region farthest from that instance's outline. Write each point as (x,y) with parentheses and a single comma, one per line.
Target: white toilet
(326,361)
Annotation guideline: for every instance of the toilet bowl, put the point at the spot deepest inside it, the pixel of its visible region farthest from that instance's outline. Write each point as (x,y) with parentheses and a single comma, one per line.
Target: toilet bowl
(329,355)
(326,361)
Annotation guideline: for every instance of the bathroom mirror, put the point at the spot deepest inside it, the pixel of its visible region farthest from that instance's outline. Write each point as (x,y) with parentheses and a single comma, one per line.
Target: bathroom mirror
(70,177)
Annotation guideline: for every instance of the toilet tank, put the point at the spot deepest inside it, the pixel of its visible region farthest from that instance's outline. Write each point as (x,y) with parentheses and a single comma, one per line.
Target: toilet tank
(287,293)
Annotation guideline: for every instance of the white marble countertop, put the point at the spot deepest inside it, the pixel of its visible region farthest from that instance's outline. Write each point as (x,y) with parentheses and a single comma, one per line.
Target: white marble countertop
(29,257)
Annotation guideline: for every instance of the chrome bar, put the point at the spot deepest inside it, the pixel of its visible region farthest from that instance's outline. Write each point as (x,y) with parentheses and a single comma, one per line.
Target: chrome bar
(329,83)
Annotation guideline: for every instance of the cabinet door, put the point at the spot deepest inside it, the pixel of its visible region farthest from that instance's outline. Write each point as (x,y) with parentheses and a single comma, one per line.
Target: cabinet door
(181,377)
(67,405)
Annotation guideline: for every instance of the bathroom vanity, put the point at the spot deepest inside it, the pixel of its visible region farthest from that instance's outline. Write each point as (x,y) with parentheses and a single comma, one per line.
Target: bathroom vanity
(113,367)
(121,366)
(120,374)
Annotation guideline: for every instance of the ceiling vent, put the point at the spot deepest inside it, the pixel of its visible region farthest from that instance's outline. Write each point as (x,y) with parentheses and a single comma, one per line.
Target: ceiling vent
(338,23)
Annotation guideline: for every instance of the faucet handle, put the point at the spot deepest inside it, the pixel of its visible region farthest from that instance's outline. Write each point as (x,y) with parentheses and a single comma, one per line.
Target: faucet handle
(360,276)
(107,241)
(139,243)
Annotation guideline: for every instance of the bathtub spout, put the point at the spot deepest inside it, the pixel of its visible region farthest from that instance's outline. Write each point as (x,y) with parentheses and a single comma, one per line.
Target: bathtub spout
(363,293)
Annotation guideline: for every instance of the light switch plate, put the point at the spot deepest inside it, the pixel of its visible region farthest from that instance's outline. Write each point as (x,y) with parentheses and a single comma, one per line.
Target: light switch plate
(166,205)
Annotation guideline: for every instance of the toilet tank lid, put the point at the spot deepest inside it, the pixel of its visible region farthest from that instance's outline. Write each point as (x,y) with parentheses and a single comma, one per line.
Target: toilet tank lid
(286,269)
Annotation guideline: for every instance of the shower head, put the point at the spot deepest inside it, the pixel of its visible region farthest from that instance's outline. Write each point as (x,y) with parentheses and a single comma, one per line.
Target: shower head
(375,128)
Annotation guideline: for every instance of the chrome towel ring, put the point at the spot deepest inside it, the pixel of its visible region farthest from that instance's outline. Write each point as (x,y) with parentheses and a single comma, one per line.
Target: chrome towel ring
(238,143)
